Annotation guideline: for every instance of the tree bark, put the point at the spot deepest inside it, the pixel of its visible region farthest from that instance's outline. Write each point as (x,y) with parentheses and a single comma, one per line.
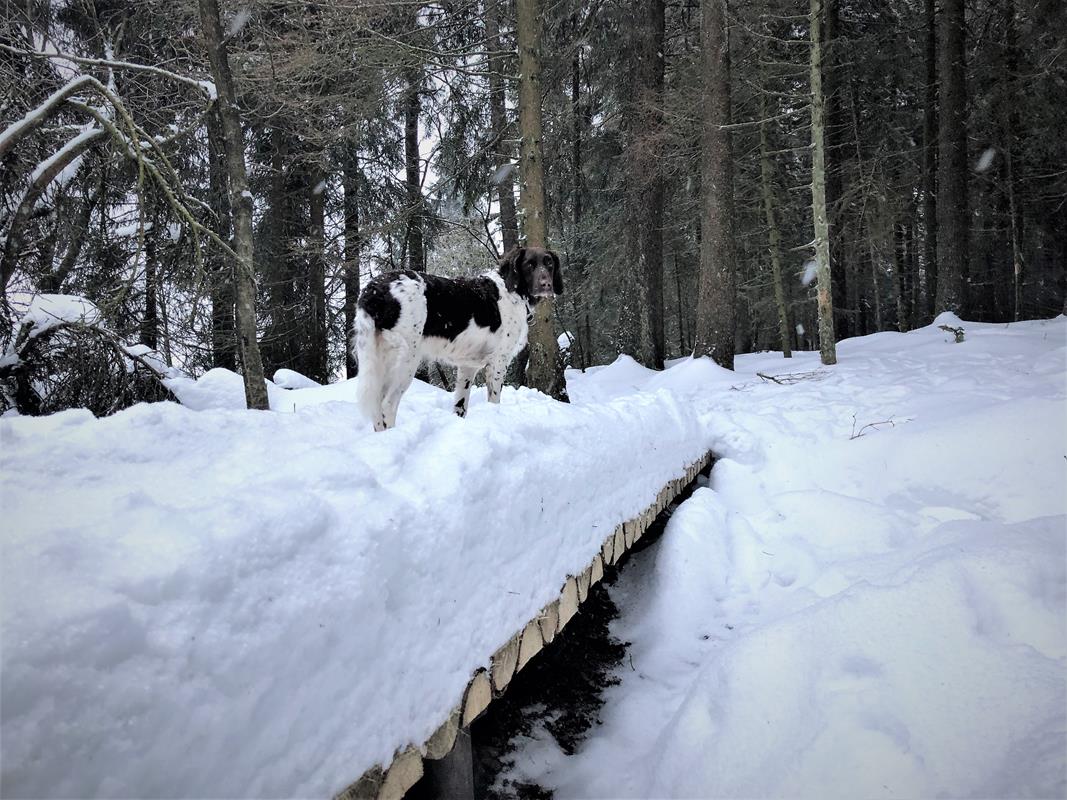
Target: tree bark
(223,325)
(827,344)
(930,159)
(952,227)
(835,174)
(318,358)
(644,206)
(241,203)
(545,369)
(773,237)
(716,299)
(505,184)
(416,259)
(150,321)
(353,243)
(1010,123)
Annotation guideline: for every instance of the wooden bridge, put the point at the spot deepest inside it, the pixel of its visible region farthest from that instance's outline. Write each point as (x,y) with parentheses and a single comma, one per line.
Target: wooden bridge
(445,758)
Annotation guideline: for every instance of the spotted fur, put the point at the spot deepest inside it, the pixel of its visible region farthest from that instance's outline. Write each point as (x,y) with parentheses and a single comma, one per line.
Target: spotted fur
(404,318)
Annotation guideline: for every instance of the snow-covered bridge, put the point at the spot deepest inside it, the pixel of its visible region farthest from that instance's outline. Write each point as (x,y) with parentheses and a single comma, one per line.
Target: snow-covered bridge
(276,604)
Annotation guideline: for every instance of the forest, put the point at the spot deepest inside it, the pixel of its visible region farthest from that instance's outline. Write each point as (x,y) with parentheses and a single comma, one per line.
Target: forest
(718,178)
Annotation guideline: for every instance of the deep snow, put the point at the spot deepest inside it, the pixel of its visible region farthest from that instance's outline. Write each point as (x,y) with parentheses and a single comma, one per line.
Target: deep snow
(881,616)
(217,602)
(205,601)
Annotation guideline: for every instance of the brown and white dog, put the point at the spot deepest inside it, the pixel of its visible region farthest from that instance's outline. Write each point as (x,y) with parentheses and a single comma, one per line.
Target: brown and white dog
(403,318)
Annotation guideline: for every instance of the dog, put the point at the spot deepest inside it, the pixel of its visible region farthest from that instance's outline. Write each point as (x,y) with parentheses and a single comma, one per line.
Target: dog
(406,317)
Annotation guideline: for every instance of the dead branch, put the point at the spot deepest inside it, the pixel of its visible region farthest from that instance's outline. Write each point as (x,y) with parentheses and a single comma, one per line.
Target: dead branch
(873,425)
(957,332)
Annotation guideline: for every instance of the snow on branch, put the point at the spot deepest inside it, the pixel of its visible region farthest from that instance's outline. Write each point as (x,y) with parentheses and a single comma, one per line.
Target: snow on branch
(14,133)
(206,87)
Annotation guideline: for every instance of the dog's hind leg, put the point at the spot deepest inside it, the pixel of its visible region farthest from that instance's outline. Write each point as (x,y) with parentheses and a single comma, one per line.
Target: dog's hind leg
(461,398)
(400,377)
(494,380)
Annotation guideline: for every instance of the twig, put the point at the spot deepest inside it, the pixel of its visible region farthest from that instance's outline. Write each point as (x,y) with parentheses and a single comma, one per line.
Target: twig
(857,434)
(793,377)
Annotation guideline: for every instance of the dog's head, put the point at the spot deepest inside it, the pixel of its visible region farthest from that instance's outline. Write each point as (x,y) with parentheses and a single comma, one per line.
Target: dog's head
(532,272)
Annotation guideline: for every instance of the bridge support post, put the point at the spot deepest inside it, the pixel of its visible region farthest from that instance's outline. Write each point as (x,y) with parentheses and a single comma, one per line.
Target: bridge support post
(452,777)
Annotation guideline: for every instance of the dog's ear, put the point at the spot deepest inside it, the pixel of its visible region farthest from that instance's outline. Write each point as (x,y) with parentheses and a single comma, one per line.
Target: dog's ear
(511,269)
(557,274)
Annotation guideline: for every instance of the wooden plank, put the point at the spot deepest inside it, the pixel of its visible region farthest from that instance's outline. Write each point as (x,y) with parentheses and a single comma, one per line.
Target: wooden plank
(607,550)
(476,698)
(531,643)
(439,745)
(596,571)
(366,788)
(548,619)
(584,581)
(568,602)
(402,774)
(620,544)
(503,663)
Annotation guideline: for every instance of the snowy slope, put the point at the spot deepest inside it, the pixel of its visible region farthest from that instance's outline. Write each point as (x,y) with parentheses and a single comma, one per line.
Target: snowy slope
(224,603)
(883,616)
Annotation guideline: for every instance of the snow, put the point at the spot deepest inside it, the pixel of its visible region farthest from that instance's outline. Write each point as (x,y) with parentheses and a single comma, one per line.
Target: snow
(985,161)
(200,600)
(808,273)
(46,311)
(291,379)
(853,617)
(249,604)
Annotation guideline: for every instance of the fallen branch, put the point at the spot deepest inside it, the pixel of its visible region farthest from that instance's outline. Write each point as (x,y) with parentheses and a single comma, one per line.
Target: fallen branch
(788,378)
(957,332)
(873,425)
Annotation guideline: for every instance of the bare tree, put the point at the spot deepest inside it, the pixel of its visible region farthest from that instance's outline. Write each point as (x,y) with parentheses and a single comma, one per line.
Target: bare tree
(716,301)
(545,370)
(952,224)
(241,205)
(827,345)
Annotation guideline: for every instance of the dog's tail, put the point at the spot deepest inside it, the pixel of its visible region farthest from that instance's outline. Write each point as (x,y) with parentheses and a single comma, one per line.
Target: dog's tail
(370,379)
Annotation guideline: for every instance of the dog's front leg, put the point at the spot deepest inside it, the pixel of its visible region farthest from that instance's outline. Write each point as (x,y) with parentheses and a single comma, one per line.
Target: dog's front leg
(464,379)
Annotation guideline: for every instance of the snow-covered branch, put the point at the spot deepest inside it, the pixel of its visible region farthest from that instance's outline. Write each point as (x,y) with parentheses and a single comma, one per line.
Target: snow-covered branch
(204,86)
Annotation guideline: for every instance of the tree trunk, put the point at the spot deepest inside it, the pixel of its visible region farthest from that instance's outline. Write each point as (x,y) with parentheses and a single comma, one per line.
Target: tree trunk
(716,296)
(150,321)
(773,236)
(1010,123)
(318,358)
(834,152)
(644,205)
(241,203)
(545,370)
(930,160)
(505,185)
(952,225)
(223,325)
(827,345)
(412,167)
(353,243)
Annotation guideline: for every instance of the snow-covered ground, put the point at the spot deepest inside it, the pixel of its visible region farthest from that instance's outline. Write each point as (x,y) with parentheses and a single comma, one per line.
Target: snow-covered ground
(203,601)
(879,616)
